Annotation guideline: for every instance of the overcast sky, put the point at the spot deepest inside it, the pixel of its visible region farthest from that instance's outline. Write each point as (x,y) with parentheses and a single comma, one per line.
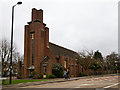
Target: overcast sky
(74,24)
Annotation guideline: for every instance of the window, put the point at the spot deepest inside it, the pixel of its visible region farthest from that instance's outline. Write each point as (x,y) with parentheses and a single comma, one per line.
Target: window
(32,36)
(64,64)
(32,48)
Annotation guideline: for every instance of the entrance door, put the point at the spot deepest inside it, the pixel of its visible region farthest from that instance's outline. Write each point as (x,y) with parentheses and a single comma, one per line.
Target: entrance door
(31,73)
(44,70)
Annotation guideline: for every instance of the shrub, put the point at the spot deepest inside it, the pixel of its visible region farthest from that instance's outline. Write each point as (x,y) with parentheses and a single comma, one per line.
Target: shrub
(51,76)
(83,74)
(41,76)
(19,75)
(32,75)
(46,76)
(57,70)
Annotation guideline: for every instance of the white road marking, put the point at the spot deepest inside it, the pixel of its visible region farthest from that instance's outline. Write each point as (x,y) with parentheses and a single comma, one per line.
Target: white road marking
(111,85)
(78,86)
(83,85)
(111,79)
(105,79)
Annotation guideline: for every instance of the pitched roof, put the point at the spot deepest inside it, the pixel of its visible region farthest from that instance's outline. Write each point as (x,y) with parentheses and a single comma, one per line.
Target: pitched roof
(58,50)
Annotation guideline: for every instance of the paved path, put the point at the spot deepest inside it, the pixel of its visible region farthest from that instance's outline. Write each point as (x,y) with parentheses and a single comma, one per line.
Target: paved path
(108,81)
(41,82)
(100,82)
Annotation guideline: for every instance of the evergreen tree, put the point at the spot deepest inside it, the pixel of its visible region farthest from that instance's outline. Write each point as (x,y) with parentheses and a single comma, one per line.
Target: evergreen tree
(58,70)
(97,55)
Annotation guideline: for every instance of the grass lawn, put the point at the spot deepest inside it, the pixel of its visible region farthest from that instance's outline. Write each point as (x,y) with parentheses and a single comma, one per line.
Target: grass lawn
(6,82)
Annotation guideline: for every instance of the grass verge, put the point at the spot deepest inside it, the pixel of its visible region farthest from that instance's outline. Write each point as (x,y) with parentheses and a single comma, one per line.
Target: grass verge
(6,82)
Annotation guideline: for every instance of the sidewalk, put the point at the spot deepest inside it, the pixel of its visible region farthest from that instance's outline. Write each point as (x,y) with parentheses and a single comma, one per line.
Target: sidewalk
(44,82)
(41,82)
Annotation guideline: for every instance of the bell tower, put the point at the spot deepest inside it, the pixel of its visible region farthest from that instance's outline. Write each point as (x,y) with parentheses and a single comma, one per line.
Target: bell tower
(35,41)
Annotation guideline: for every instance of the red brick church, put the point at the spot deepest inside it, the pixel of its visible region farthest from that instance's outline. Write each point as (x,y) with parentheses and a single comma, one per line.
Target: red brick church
(40,54)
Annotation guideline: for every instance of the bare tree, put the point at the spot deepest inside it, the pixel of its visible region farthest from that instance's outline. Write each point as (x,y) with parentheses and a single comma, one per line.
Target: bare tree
(85,59)
(111,62)
(5,56)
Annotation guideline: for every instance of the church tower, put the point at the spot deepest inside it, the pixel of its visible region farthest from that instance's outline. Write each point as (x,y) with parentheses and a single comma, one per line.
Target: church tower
(39,54)
(35,43)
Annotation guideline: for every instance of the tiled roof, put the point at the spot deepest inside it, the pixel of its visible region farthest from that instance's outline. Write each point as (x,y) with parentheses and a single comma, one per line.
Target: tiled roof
(58,50)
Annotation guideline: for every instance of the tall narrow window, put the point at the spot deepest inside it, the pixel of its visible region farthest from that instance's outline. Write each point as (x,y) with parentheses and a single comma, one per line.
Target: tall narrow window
(32,48)
(65,64)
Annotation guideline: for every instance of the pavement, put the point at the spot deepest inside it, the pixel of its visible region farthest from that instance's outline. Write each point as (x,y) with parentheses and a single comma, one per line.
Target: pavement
(45,82)
(41,82)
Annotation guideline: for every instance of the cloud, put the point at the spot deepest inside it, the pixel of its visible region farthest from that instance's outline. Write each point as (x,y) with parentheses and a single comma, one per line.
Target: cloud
(77,25)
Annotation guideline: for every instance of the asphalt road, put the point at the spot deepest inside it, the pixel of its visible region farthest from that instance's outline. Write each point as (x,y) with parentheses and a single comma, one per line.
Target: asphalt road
(97,82)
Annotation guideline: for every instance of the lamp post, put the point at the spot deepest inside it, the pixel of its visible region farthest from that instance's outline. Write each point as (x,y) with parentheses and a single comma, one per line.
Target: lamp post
(12,39)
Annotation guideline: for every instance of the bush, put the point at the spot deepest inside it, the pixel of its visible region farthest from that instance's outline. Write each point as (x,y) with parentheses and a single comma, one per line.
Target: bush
(46,76)
(41,76)
(19,75)
(83,74)
(51,76)
(32,75)
(57,70)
